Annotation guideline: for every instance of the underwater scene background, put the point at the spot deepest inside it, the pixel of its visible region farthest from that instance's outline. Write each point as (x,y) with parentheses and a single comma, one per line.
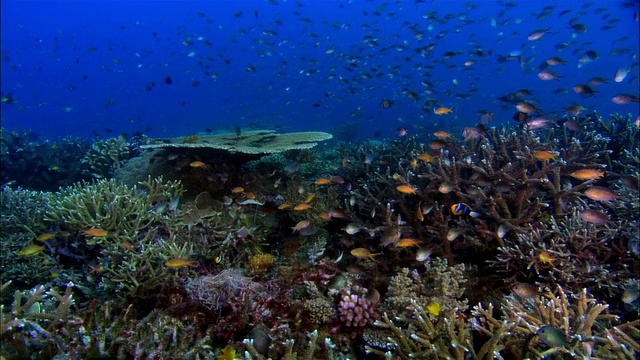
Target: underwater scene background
(319,180)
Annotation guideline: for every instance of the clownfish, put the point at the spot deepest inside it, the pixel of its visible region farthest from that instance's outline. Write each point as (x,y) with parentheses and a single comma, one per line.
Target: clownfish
(460,209)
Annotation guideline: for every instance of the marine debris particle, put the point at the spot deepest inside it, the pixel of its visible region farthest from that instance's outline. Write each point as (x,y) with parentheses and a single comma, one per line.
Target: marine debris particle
(249,142)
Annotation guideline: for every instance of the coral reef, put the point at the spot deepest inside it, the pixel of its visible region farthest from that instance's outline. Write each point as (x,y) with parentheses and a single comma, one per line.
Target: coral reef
(37,164)
(249,142)
(355,309)
(106,155)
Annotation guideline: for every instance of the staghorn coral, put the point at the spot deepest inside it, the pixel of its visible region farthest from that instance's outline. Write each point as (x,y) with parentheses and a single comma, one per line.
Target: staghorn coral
(588,330)
(111,206)
(570,253)
(415,331)
(28,323)
(292,347)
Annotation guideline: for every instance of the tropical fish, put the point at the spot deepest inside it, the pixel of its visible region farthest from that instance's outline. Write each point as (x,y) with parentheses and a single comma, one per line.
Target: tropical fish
(453,234)
(31,250)
(594,217)
(526,108)
(419,214)
(425,157)
(630,293)
(178,262)
(301,207)
(284,206)
(537,123)
(352,228)
(237,189)
(546,258)
(406,189)
(127,245)
(584,90)
(537,34)
(406,242)
(622,99)
(386,103)
(95,232)
(460,209)
(434,308)
(423,254)
(601,194)
(544,155)
(552,336)
(302,224)
(45,236)
(322,181)
(621,74)
(446,187)
(587,174)
(443,135)
(548,75)
(197,164)
(525,290)
(363,253)
(442,111)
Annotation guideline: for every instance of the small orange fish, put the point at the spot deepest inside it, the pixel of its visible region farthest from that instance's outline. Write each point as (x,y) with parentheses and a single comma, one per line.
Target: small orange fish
(338,214)
(442,111)
(425,157)
(250,195)
(406,242)
(419,214)
(45,236)
(363,253)
(309,198)
(443,135)
(324,215)
(406,189)
(177,262)
(322,181)
(95,232)
(587,174)
(544,155)
(197,164)
(301,207)
(284,206)
(237,189)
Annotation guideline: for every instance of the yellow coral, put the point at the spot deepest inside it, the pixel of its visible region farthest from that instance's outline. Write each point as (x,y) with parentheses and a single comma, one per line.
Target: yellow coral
(261,262)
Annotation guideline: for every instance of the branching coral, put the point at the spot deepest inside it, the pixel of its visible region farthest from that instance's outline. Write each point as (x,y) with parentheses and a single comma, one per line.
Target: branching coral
(104,156)
(111,206)
(587,330)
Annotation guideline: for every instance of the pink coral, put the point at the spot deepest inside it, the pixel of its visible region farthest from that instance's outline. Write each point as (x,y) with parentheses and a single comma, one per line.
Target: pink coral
(355,308)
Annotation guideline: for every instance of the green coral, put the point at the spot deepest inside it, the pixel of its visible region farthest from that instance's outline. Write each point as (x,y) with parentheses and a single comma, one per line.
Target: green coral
(111,206)
(105,156)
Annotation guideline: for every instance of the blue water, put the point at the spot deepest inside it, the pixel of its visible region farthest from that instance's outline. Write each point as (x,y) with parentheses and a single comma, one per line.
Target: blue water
(81,68)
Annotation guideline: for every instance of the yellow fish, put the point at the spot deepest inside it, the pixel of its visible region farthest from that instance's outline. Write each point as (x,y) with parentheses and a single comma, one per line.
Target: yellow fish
(237,189)
(443,135)
(197,164)
(45,236)
(31,250)
(425,157)
(434,308)
(363,253)
(177,262)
